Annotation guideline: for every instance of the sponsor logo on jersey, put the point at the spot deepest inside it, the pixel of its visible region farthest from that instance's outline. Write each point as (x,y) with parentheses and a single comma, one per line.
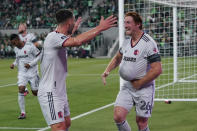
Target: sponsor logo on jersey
(132,59)
(25,52)
(22,56)
(60,114)
(136,52)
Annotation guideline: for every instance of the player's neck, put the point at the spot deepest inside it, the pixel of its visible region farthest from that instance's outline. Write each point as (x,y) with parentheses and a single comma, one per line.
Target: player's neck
(21,45)
(61,29)
(137,35)
(24,33)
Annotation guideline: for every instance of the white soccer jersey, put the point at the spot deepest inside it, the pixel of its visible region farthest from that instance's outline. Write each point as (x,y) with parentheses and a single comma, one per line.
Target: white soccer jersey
(30,37)
(136,60)
(53,66)
(27,54)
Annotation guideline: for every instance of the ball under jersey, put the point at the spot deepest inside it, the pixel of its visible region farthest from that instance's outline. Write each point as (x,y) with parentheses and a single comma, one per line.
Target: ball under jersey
(53,66)
(27,54)
(136,60)
(30,37)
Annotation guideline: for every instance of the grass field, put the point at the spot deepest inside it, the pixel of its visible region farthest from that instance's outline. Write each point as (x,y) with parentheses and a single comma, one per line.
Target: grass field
(86,92)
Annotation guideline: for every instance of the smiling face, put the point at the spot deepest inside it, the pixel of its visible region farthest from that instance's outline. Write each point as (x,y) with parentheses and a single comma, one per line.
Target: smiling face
(130,25)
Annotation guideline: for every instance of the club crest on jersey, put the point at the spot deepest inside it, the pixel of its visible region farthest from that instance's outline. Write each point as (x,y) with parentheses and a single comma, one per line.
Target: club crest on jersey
(60,114)
(136,52)
(25,52)
(155,50)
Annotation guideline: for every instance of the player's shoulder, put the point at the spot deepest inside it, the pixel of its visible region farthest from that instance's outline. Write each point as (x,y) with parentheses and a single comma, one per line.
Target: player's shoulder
(148,39)
(127,40)
(56,35)
(15,49)
(28,43)
(30,34)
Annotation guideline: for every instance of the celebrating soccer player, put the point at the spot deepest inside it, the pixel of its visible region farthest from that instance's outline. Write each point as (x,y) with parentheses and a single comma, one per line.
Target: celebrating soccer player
(52,92)
(27,56)
(140,65)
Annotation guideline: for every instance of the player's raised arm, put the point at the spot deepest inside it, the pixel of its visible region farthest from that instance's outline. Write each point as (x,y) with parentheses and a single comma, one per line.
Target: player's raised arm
(86,36)
(76,26)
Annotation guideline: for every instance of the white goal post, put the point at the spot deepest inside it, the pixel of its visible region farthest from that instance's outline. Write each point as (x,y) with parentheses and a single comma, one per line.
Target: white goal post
(173,24)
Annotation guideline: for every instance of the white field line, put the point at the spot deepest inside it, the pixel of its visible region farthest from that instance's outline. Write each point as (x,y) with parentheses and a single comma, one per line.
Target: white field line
(81,115)
(8,85)
(188,77)
(18,128)
(1,86)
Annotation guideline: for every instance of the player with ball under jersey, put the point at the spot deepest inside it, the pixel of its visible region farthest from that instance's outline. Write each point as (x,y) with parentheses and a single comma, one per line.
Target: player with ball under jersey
(140,64)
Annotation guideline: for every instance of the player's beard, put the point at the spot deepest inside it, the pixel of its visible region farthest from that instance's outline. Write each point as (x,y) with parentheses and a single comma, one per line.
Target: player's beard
(70,29)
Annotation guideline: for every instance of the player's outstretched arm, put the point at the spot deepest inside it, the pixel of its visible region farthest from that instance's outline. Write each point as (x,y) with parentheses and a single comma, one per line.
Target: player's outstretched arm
(112,65)
(86,36)
(15,63)
(34,61)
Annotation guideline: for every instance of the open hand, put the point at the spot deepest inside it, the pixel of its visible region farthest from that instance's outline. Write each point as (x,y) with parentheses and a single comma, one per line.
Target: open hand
(77,24)
(108,22)
(104,75)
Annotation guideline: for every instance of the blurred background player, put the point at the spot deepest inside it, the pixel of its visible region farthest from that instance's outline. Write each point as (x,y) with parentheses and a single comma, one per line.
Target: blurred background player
(27,37)
(140,65)
(52,94)
(27,56)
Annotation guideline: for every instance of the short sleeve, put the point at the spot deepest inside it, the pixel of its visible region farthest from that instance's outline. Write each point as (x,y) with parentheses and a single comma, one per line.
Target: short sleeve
(59,40)
(121,49)
(153,53)
(33,38)
(35,50)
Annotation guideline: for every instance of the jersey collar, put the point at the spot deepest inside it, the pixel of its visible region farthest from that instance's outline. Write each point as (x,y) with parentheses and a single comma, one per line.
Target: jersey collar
(137,42)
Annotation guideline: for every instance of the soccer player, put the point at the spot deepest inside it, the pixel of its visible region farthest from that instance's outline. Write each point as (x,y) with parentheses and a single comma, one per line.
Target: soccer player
(27,56)
(27,37)
(52,92)
(140,65)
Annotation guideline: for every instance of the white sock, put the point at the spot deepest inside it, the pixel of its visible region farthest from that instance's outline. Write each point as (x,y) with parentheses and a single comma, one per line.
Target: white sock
(124,126)
(21,102)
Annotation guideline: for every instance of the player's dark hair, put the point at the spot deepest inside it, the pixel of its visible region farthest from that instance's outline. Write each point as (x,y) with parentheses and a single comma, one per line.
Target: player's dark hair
(136,17)
(14,36)
(62,15)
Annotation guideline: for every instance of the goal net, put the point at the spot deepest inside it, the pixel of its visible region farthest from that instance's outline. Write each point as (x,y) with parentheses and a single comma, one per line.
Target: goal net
(173,24)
